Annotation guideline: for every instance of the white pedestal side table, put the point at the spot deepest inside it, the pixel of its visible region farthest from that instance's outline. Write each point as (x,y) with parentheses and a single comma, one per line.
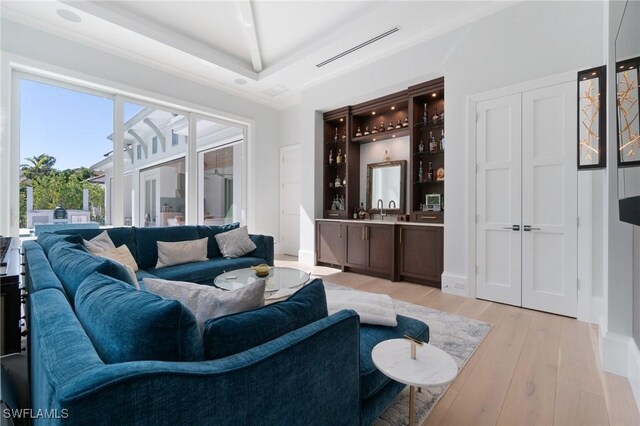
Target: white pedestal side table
(432,367)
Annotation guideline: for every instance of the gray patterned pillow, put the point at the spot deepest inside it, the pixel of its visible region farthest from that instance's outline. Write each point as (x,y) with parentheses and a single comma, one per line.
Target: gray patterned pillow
(235,243)
(208,302)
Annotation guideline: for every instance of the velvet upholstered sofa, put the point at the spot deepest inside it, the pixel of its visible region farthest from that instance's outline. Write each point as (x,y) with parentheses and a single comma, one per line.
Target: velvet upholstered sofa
(82,311)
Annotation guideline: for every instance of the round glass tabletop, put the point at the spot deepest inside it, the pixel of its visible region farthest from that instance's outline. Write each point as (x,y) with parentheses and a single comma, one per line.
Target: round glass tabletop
(277,279)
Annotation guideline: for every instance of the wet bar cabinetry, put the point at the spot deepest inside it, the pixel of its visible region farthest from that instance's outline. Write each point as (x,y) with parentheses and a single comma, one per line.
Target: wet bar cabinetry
(391,250)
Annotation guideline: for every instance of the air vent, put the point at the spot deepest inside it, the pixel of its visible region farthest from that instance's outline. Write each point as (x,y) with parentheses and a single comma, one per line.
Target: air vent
(275,90)
(360,46)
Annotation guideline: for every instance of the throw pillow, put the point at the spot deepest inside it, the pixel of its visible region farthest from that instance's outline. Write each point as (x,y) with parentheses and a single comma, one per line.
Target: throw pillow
(376,309)
(211,231)
(239,332)
(121,255)
(235,243)
(129,325)
(99,243)
(208,302)
(181,252)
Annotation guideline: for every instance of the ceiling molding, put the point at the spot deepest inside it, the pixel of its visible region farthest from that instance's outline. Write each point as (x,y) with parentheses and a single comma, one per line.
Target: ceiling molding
(251,35)
(110,12)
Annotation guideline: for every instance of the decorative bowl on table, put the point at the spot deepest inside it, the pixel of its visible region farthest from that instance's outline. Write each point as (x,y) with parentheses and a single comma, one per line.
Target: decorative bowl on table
(261,270)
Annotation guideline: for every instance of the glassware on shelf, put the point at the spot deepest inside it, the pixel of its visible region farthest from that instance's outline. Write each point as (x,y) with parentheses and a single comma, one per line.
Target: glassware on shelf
(335,136)
(399,125)
(405,123)
(435,116)
(424,115)
(390,126)
(429,172)
(330,156)
(433,146)
(344,135)
(358,132)
(337,183)
(339,157)
(420,172)
(442,140)
(366,130)
(381,129)
(421,146)
(374,131)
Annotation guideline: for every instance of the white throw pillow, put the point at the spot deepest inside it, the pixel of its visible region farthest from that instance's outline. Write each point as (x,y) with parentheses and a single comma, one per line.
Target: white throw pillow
(181,252)
(123,256)
(99,243)
(235,243)
(376,309)
(206,301)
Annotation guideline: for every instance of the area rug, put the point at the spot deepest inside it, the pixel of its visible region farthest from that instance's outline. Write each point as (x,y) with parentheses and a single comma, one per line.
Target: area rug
(457,335)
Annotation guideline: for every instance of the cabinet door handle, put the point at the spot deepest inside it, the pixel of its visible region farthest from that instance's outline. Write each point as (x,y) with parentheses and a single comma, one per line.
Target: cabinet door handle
(334,214)
(366,234)
(400,235)
(363,232)
(428,217)
(340,231)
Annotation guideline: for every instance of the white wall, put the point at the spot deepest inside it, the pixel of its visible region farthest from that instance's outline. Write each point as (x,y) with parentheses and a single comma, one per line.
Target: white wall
(523,42)
(23,45)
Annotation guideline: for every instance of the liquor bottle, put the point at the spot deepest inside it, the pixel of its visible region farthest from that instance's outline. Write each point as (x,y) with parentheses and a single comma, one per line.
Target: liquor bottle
(405,123)
(366,130)
(330,156)
(334,203)
(344,158)
(358,132)
(344,135)
(421,146)
(341,203)
(435,115)
(442,140)
(339,157)
(337,183)
(374,131)
(433,146)
(424,115)
(381,129)
(335,137)
(355,213)
(420,172)
(362,213)
(429,172)
(399,125)
(390,126)
(344,181)
(442,114)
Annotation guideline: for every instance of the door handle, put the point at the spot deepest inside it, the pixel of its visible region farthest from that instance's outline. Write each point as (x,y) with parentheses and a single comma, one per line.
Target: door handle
(363,228)
(528,228)
(513,227)
(400,235)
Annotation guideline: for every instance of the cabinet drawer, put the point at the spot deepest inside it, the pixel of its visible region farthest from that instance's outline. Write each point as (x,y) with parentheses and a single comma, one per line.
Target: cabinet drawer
(335,214)
(427,217)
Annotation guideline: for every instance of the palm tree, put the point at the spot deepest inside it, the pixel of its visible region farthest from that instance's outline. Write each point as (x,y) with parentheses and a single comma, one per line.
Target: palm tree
(38,165)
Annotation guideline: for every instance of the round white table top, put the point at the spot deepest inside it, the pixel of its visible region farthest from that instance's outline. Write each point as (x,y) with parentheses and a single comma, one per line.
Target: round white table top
(432,366)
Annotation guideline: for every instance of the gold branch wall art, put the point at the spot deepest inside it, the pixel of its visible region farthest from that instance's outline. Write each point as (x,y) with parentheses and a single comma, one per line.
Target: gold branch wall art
(591,118)
(628,111)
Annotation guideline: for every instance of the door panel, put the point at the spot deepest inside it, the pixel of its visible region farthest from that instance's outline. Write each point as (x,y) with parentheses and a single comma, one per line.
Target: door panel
(421,252)
(498,202)
(330,244)
(550,206)
(356,255)
(290,200)
(380,247)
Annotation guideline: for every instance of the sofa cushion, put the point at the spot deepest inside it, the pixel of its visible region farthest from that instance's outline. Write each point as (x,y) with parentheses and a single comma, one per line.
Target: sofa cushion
(208,302)
(99,243)
(119,236)
(129,325)
(203,272)
(48,240)
(147,241)
(236,333)
(39,276)
(211,231)
(181,252)
(72,264)
(235,243)
(371,379)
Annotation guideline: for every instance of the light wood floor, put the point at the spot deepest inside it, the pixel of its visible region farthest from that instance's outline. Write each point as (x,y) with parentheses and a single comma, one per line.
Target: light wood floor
(531,369)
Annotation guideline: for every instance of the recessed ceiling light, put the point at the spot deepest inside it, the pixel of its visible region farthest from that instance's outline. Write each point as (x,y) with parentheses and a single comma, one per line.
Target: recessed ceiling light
(240,81)
(433,95)
(68,15)
(342,119)
(374,140)
(621,67)
(392,108)
(593,73)
(373,113)
(393,136)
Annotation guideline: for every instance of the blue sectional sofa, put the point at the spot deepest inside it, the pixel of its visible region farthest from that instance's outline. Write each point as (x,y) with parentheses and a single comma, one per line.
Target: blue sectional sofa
(319,374)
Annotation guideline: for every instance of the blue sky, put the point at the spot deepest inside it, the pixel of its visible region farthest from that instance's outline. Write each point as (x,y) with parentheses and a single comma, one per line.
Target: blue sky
(71,126)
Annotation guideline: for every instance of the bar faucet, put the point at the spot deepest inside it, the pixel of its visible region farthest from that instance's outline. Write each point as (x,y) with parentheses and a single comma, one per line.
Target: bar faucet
(380,206)
(394,204)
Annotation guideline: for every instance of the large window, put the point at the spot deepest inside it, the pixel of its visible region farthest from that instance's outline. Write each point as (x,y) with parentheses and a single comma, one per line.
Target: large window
(140,172)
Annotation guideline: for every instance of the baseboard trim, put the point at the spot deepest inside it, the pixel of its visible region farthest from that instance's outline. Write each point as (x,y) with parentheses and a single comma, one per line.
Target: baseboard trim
(307,257)
(615,353)
(634,371)
(455,284)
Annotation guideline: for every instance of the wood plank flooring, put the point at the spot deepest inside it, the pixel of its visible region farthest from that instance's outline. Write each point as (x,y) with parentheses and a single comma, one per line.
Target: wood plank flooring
(532,368)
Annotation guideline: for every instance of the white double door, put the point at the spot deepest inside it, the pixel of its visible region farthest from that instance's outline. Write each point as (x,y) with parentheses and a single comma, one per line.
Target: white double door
(526,197)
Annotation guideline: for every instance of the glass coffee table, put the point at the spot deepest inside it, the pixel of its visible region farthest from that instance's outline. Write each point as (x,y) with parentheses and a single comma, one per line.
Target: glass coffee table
(278,278)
